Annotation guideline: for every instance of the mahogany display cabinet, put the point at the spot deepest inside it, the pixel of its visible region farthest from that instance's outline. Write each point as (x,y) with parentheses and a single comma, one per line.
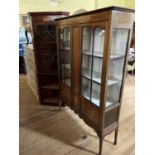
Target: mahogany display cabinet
(92,54)
(43,30)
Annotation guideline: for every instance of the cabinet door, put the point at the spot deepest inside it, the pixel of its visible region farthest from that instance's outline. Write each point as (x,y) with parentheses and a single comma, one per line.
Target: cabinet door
(65,64)
(93,38)
(65,56)
(117,58)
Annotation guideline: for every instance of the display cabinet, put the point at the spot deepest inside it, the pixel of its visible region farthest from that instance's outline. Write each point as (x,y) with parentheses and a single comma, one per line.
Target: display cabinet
(45,54)
(92,54)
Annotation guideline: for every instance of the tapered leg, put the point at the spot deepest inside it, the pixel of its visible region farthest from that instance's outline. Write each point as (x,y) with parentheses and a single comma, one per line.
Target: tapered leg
(116,137)
(101,145)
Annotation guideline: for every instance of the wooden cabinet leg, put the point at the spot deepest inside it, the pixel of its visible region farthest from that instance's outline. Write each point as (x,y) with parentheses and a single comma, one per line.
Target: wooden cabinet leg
(101,145)
(116,137)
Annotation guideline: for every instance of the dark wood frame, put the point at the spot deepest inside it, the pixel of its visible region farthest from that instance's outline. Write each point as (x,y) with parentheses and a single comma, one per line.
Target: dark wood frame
(112,17)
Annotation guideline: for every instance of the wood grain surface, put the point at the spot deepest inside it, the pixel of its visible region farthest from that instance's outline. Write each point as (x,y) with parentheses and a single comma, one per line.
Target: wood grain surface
(46,131)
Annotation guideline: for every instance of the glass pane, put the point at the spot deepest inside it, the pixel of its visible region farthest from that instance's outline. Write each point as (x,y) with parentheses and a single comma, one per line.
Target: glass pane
(86,88)
(110,117)
(61,39)
(116,66)
(97,69)
(95,95)
(86,66)
(52,32)
(119,42)
(46,33)
(98,42)
(87,40)
(92,53)
(65,56)
(62,56)
(66,38)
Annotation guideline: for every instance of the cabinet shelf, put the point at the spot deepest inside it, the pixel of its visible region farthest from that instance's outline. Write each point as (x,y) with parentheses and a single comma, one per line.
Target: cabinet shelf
(95,79)
(98,80)
(52,73)
(68,66)
(52,100)
(68,82)
(65,48)
(86,76)
(87,53)
(86,96)
(112,82)
(116,56)
(112,106)
(54,86)
(97,101)
(97,54)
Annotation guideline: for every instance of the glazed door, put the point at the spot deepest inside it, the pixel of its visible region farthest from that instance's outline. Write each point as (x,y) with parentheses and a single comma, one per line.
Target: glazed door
(76,68)
(65,63)
(92,63)
(92,66)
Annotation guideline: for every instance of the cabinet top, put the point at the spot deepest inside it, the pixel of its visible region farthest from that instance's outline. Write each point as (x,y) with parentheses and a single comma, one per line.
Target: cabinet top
(48,13)
(100,10)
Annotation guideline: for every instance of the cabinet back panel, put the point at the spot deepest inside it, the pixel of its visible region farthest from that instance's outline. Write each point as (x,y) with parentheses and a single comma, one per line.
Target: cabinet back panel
(45,93)
(47,79)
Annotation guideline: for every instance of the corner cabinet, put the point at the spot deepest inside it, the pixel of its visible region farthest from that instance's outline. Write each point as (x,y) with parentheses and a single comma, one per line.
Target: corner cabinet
(92,53)
(45,54)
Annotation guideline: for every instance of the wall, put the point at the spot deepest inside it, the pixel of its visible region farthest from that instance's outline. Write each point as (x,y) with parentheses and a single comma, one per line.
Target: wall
(65,5)
(34,5)
(70,5)
(121,3)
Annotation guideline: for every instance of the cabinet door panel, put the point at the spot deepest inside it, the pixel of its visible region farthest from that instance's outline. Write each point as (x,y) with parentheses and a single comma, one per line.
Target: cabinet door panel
(97,69)
(95,94)
(86,66)
(116,65)
(98,42)
(93,38)
(65,64)
(87,34)
(85,88)
(65,56)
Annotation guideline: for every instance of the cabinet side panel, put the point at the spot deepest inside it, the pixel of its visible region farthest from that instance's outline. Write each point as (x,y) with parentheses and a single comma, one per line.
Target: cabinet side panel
(122,19)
